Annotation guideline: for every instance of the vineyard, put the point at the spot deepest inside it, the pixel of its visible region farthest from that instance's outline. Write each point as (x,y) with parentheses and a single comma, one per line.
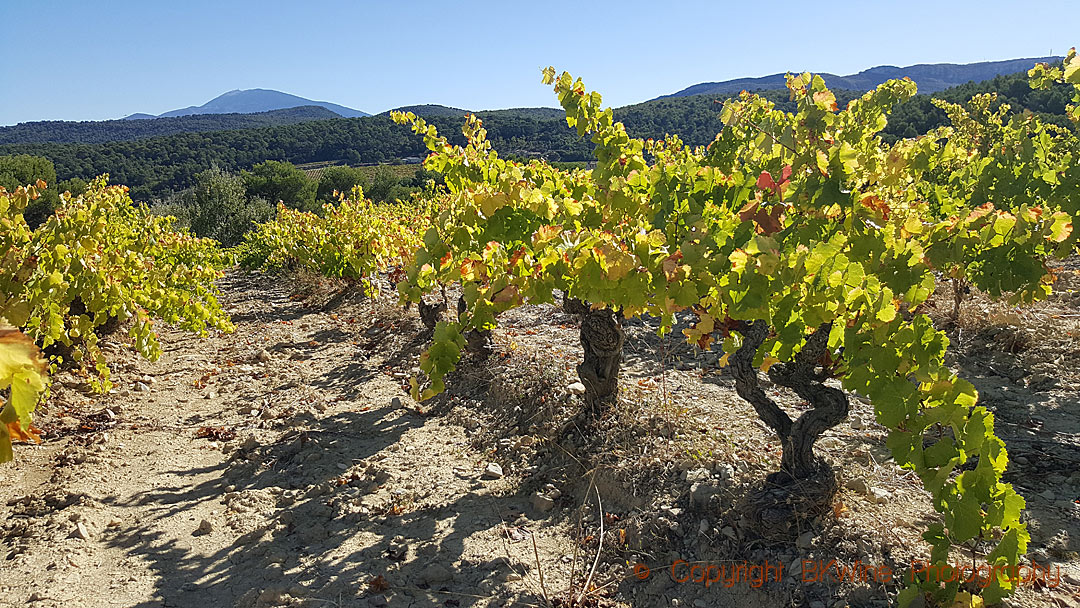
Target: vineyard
(538,385)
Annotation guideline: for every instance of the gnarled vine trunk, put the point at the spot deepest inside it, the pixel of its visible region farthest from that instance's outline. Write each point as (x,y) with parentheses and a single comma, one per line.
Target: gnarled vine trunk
(431,314)
(476,341)
(829,406)
(602,340)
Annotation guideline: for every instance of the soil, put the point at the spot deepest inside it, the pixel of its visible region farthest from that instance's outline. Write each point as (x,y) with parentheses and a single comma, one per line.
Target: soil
(284,464)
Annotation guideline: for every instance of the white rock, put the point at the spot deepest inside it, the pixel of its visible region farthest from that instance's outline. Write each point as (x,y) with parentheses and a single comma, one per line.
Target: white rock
(576,388)
(141,387)
(880,496)
(493,471)
(856,423)
(857,484)
(542,502)
(81,531)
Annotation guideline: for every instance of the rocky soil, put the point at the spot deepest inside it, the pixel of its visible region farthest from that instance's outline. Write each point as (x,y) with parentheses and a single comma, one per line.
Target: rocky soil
(285,465)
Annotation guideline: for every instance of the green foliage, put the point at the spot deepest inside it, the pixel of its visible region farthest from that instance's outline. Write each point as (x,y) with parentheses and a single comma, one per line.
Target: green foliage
(100,258)
(21,169)
(800,219)
(157,165)
(338,179)
(280,182)
(218,207)
(353,240)
(22,370)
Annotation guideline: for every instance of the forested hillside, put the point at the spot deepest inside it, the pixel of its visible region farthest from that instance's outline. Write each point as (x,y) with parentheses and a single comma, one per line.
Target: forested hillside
(155,166)
(97,132)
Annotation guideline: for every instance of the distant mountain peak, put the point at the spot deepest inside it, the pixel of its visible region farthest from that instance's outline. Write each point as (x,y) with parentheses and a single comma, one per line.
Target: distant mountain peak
(930,77)
(252,101)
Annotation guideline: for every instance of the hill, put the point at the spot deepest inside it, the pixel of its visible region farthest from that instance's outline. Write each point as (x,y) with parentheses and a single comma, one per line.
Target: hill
(250,101)
(157,165)
(96,132)
(931,78)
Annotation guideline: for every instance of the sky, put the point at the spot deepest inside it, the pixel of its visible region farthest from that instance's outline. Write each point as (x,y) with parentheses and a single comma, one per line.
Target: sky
(95,60)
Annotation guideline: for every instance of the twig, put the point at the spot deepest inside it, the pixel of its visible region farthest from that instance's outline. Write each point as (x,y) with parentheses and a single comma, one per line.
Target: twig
(599,547)
(540,571)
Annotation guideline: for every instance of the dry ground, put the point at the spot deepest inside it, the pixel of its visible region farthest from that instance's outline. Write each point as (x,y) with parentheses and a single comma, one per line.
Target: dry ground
(317,482)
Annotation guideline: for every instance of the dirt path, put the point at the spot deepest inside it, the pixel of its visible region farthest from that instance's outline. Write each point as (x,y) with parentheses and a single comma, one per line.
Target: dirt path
(338,490)
(331,481)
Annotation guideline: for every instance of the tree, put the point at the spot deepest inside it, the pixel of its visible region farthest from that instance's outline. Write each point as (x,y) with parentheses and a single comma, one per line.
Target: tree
(218,207)
(383,186)
(339,179)
(280,181)
(23,169)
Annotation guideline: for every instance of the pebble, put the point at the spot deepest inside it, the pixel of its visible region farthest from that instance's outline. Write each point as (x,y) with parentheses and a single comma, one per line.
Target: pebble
(81,531)
(880,496)
(493,471)
(377,601)
(576,388)
(141,387)
(436,573)
(856,423)
(857,484)
(395,402)
(262,356)
(205,527)
(805,540)
(542,503)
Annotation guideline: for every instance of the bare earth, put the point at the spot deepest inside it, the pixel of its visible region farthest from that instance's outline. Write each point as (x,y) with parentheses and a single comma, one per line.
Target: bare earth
(285,465)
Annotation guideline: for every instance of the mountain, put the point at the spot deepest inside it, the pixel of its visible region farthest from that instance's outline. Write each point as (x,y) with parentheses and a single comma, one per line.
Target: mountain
(250,101)
(96,132)
(931,77)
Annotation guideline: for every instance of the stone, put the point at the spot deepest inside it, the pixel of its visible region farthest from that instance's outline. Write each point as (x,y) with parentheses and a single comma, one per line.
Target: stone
(81,531)
(542,502)
(701,494)
(142,387)
(262,356)
(436,573)
(805,540)
(378,601)
(697,475)
(576,388)
(493,471)
(395,402)
(856,423)
(880,496)
(857,484)
(205,527)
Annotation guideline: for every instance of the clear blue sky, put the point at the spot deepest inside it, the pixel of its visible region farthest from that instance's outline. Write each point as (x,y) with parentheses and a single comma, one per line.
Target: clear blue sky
(86,60)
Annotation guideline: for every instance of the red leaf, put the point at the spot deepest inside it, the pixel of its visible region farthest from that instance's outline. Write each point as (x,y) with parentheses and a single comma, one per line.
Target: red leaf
(765,181)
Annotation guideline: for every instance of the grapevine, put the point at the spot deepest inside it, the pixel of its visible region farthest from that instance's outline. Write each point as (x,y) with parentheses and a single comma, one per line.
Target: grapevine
(97,262)
(355,239)
(801,238)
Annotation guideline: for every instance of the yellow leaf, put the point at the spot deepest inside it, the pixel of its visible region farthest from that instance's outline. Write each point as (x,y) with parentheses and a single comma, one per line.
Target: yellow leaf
(724,360)
(490,203)
(768,362)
